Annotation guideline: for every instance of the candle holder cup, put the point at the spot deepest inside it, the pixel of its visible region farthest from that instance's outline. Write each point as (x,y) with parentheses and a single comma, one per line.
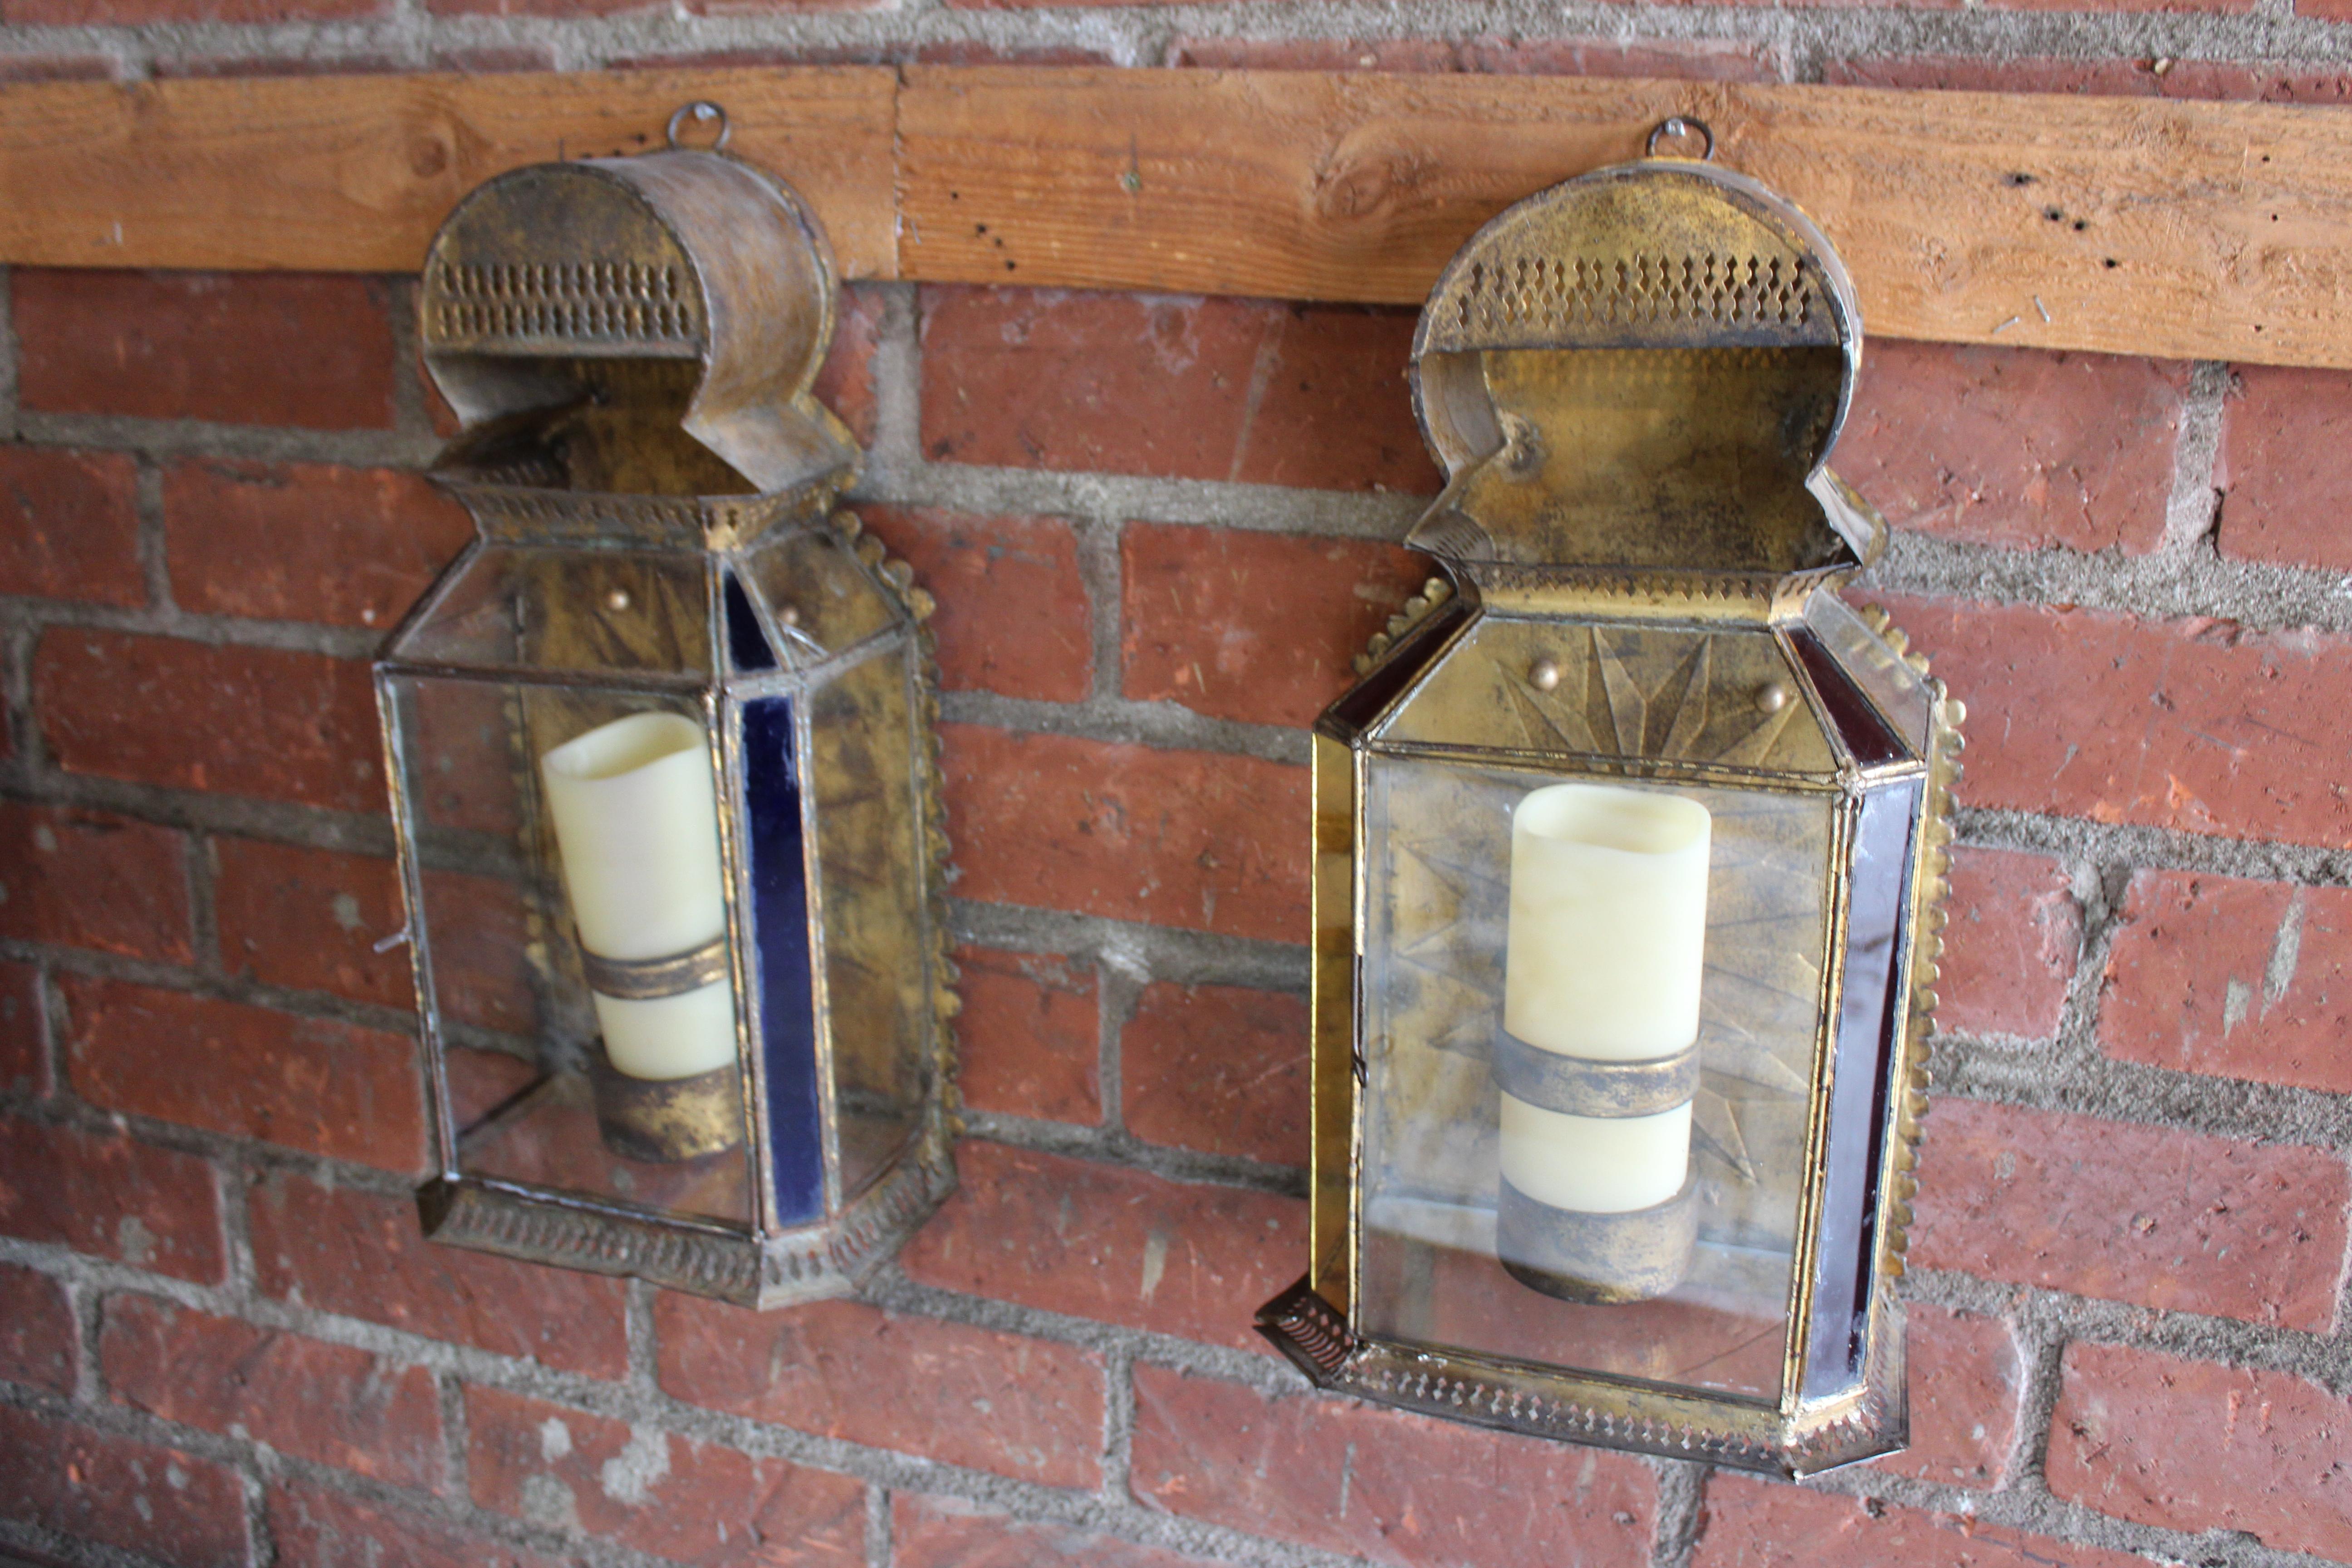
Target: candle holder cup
(661,750)
(1630,847)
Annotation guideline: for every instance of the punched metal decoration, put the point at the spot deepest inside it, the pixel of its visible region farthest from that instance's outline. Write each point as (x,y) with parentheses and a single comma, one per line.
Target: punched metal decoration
(1630,851)
(662,755)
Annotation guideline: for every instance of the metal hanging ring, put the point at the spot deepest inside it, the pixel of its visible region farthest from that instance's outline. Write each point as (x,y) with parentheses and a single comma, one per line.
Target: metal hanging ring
(702,109)
(1682,125)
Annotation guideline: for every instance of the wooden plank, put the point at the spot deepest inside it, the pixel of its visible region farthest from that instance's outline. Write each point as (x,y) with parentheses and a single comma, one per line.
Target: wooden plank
(354,173)
(2193,230)
(2190,230)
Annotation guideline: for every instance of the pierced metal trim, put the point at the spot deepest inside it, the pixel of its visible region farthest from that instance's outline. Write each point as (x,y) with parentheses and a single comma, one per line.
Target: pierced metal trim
(1575,1087)
(488,305)
(1545,295)
(649,979)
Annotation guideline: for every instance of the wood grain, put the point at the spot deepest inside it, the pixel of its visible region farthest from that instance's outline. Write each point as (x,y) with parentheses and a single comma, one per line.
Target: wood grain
(2182,229)
(2190,230)
(354,173)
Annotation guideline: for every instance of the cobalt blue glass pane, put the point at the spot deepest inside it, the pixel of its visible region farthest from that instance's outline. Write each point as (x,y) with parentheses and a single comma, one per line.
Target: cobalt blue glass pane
(747,646)
(1867,1019)
(772,798)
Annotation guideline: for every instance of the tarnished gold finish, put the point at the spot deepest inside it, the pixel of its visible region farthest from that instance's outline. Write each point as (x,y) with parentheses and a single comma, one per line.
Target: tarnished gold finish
(1602,1259)
(639,980)
(1574,1086)
(1633,381)
(667,1118)
(629,344)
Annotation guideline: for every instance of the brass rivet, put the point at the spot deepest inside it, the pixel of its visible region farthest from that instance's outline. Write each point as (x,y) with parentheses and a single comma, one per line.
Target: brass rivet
(789,616)
(1544,673)
(618,599)
(1771,697)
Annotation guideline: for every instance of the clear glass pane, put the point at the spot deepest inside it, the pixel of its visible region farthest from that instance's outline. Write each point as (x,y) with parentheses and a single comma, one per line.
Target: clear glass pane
(589,611)
(862,745)
(1869,1015)
(1443,975)
(821,597)
(566,831)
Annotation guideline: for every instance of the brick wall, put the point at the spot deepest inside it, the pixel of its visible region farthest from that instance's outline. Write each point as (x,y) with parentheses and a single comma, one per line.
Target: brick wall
(1158,528)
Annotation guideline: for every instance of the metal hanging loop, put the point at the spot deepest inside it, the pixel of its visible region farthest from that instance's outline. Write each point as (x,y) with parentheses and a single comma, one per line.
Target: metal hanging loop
(1676,125)
(704,111)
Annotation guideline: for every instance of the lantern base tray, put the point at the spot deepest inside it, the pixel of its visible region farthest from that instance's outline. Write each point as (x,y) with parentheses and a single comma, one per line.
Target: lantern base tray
(1597,1259)
(668,1120)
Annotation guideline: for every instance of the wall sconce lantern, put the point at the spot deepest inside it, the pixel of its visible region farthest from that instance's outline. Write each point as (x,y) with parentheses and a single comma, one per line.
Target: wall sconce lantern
(1630,849)
(661,751)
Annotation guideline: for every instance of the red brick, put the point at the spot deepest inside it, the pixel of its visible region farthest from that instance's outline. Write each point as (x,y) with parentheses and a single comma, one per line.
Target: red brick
(2284,463)
(2239,979)
(1111,1244)
(311,1084)
(2192,1447)
(309,920)
(655,1491)
(2011,947)
(1022,1408)
(948,1533)
(1178,387)
(110,1196)
(1255,626)
(1029,1036)
(1182,838)
(1967,1377)
(2016,447)
(136,12)
(360,1255)
(141,1497)
(1013,614)
(83,879)
(845,382)
(306,541)
(1693,59)
(315,1528)
(24,1064)
(37,1330)
(70,526)
(1220,1068)
(57,68)
(301,1396)
(2198,725)
(2156,1216)
(242,720)
(1379,1484)
(1747,1523)
(244,348)
(2096,77)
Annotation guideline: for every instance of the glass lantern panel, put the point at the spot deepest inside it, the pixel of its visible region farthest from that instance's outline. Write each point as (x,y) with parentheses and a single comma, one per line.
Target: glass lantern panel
(1445,890)
(776,834)
(863,765)
(1898,691)
(1870,1013)
(616,838)
(621,612)
(812,582)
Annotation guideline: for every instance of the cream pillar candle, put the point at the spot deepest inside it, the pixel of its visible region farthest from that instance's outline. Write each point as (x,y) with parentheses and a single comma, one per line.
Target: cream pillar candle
(635,809)
(1608,932)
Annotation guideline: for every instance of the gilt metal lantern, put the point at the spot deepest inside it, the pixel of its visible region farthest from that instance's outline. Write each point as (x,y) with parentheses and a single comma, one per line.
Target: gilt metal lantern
(661,750)
(1629,850)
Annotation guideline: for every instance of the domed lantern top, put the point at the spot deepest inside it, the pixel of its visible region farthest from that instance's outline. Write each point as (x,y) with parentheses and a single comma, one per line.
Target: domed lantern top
(647,326)
(1717,340)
